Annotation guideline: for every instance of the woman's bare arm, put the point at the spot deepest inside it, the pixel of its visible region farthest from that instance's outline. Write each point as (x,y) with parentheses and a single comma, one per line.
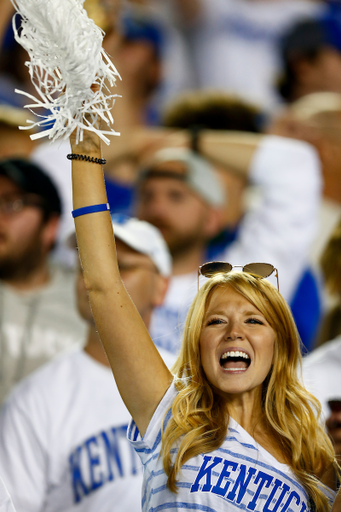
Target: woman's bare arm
(140,373)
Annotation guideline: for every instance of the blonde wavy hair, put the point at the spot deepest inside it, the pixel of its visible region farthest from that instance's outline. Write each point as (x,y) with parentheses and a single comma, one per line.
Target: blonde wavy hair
(199,415)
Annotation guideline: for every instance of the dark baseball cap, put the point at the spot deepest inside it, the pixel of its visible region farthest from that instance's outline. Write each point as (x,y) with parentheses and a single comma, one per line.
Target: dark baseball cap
(310,36)
(137,26)
(32,180)
(305,40)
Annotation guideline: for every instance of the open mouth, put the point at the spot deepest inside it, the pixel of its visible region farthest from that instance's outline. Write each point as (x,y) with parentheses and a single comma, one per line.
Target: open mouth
(235,361)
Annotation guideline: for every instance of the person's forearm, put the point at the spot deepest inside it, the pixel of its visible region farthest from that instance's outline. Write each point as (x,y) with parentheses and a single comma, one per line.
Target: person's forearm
(89,189)
(230,150)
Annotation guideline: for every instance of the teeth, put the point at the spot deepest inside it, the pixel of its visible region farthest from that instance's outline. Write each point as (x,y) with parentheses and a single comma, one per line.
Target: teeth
(235,353)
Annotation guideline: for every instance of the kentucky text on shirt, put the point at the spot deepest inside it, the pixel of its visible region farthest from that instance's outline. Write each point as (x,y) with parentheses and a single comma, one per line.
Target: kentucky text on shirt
(100,459)
(217,474)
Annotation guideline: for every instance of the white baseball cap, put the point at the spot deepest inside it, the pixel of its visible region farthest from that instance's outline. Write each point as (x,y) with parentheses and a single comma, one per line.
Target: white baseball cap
(140,236)
(145,238)
(200,175)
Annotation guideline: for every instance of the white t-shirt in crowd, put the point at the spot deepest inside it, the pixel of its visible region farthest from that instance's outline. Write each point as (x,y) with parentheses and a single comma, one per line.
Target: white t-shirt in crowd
(240,475)
(63,440)
(6,504)
(322,373)
(279,230)
(235,45)
(37,325)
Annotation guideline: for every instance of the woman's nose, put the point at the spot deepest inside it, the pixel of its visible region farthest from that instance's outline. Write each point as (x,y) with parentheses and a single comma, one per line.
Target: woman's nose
(234,331)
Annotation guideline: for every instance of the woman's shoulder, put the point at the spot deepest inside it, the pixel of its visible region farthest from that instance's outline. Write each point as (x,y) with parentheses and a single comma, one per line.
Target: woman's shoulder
(160,418)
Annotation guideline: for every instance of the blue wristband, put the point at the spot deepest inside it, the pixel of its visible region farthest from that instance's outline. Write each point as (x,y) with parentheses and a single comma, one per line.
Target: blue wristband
(90,209)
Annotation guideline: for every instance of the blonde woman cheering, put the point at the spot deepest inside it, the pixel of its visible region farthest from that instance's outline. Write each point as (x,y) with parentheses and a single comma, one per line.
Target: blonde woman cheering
(232,427)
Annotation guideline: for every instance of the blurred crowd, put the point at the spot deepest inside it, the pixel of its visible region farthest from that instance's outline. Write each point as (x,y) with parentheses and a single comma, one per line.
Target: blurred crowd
(230,123)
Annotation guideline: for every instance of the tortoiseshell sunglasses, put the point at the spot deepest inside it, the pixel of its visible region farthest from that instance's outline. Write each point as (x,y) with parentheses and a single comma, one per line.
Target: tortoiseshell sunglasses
(260,270)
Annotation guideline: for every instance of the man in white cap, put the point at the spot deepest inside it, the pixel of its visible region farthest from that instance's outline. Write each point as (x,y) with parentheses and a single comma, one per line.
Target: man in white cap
(63,439)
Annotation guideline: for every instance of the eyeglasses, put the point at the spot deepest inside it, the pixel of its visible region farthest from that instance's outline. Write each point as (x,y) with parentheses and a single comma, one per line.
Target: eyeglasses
(260,270)
(10,205)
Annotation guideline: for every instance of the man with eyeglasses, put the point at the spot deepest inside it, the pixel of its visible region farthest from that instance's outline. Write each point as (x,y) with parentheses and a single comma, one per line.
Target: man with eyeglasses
(63,430)
(38,317)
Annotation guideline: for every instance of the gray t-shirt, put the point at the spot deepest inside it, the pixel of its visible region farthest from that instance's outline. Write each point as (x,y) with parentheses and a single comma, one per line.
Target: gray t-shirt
(35,326)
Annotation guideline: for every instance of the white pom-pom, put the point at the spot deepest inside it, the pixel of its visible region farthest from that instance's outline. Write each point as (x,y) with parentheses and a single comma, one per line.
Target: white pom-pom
(65,48)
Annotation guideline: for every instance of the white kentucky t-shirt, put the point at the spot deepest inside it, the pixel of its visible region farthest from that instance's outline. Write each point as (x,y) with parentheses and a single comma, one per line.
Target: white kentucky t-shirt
(63,440)
(240,475)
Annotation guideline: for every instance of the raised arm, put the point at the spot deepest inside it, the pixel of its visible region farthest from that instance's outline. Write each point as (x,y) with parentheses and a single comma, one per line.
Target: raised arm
(231,150)
(141,376)
(281,228)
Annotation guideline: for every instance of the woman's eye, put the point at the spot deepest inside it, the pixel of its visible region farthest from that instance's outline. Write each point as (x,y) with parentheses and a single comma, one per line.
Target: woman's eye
(215,321)
(254,321)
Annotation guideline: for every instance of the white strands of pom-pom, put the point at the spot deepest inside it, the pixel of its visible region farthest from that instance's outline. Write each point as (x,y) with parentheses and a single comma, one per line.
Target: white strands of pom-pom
(66,58)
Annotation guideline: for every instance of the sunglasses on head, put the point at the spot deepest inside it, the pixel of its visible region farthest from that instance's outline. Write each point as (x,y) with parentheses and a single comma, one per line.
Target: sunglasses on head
(259,270)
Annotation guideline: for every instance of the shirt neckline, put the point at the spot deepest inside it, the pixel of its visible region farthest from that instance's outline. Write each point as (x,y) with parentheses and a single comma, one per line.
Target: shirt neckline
(263,451)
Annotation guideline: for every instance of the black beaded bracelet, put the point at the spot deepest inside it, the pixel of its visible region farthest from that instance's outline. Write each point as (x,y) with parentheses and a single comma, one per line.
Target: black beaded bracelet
(76,156)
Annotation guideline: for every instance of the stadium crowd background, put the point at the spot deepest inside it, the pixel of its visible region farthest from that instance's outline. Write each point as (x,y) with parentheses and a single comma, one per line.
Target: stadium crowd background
(236,82)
